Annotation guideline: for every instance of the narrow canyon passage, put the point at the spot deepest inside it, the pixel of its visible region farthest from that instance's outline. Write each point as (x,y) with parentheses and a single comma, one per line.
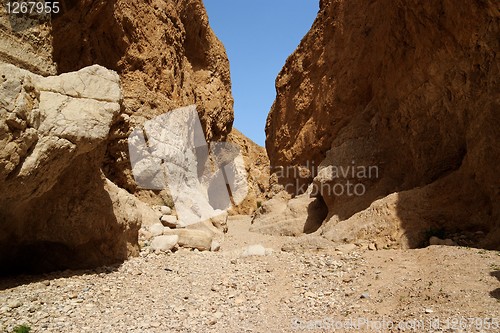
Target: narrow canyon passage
(130,202)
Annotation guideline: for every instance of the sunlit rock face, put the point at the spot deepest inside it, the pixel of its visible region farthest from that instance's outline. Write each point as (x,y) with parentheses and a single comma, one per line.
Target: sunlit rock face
(204,178)
(67,173)
(167,57)
(56,208)
(414,95)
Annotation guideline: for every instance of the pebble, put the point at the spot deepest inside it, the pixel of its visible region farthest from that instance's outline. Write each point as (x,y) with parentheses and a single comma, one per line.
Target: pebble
(254,250)
(14,304)
(215,246)
(309,294)
(165,210)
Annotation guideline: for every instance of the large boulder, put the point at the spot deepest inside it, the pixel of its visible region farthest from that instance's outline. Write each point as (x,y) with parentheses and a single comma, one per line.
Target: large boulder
(413,96)
(57,209)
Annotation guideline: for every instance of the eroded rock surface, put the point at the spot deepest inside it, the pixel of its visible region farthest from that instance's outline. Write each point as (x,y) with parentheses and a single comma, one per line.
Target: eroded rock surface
(282,215)
(64,130)
(57,210)
(410,89)
(256,165)
(167,57)
(26,41)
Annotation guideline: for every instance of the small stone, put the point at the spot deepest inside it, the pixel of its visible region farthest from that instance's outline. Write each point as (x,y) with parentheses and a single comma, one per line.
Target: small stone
(156,229)
(429,311)
(46,283)
(438,241)
(449,242)
(169,221)
(309,294)
(239,300)
(215,246)
(372,247)
(346,248)
(365,295)
(165,210)
(254,250)
(14,304)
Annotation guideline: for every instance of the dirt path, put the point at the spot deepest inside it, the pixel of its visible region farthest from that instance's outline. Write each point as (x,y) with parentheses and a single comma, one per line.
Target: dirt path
(439,288)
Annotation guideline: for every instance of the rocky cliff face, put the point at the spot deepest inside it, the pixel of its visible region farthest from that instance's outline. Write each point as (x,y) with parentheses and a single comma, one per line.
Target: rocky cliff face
(166,55)
(64,146)
(257,170)
(408,91)
(56,208)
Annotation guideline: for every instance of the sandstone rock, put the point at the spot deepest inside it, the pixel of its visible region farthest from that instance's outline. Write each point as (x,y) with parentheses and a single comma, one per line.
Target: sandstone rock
(204,181)
(149,215)
(346,248)
(170,221)
(145,234)
(438,241)
(27,43)
(164,242)
(50,168)
(55,132)
(165,210)
(156,229)
(215,246)
(191,238)
(206,226)
(257,169)
(342,103)
(254,250)
(297,216)
(219,221)
(167,57)
(14,304)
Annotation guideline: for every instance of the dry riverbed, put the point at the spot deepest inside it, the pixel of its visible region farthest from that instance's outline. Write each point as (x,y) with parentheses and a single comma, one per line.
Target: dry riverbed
(436,289)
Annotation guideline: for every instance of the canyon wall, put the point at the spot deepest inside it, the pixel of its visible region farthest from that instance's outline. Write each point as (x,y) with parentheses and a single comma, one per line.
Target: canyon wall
(257,169)
(68,196)
(409,91)
(167,57)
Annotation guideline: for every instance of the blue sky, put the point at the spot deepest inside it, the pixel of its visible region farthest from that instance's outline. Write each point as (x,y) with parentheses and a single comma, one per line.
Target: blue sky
(258,35)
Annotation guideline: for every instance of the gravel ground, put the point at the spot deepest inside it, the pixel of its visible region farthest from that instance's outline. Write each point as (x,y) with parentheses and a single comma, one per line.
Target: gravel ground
(436,289)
